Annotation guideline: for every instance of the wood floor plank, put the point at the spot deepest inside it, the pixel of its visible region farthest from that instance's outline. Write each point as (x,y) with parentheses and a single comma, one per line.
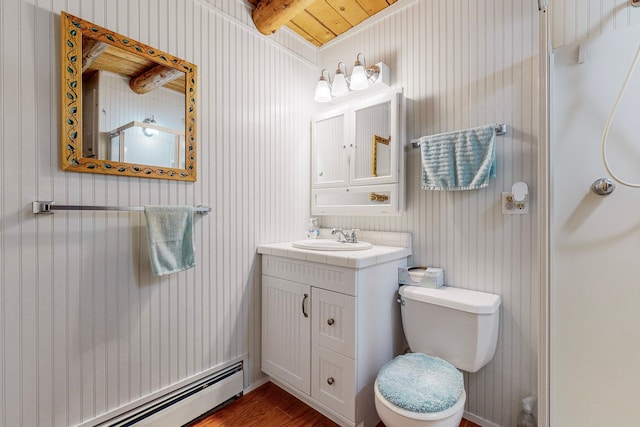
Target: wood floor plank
(271,406)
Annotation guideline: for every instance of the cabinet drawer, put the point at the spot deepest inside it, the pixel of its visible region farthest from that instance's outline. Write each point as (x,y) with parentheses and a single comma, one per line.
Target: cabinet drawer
(333,381)
(332,277)
(333,321)
(379,199)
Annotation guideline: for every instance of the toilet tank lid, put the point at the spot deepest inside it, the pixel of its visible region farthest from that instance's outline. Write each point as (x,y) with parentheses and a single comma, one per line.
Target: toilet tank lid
(456,298)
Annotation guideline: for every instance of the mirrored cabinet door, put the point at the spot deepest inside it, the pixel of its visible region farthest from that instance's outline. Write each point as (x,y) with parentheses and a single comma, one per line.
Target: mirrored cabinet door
(358,157)
(329,150)
(372,155)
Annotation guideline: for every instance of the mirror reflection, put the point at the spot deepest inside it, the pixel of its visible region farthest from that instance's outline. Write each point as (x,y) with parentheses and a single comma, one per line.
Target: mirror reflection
(373,130)
(129,108)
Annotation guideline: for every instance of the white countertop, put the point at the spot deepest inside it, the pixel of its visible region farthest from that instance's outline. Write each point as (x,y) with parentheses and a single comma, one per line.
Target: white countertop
(355,259)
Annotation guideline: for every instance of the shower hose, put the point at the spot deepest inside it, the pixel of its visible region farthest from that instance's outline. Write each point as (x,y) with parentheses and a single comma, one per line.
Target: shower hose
(605,133)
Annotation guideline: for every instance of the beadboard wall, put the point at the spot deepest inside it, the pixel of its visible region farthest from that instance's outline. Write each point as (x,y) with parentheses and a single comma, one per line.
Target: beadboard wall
(84,326)
(464,64)
(576,20)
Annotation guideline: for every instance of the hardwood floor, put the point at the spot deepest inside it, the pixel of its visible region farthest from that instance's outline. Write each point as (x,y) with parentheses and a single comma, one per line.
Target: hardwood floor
(270,406)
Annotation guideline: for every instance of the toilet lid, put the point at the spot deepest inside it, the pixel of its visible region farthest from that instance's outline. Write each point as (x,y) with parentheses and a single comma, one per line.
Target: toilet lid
(420,383)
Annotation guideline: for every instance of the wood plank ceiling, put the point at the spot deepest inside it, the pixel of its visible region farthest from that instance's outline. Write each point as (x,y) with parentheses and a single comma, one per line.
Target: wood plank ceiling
(323,20)
(119,61)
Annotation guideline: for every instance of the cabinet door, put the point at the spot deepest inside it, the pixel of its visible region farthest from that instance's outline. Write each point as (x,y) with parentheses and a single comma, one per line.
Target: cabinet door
(286,331)
(330,167)
(376,141)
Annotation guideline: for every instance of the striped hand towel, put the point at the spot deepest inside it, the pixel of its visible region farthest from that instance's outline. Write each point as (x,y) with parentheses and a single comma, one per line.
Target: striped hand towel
(460,160)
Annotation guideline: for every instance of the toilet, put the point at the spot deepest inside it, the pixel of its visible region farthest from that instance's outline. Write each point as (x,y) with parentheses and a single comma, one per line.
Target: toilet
(448,329)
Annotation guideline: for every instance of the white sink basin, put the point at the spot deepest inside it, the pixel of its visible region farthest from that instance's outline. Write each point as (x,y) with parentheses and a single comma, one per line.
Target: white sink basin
(330,245)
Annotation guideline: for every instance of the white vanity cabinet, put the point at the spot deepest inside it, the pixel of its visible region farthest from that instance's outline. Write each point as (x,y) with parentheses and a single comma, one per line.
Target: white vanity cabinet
(357,156)
(327,329)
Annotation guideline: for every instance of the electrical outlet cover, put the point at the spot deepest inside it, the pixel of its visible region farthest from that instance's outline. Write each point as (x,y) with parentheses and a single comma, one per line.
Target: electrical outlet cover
(511,207)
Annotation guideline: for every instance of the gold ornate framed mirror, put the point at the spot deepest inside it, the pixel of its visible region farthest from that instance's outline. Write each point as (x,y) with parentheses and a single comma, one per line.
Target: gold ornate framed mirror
(127,108)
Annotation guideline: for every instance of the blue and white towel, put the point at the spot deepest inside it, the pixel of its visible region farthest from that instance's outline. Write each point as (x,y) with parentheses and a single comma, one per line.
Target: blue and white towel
(170,238)
(460,160)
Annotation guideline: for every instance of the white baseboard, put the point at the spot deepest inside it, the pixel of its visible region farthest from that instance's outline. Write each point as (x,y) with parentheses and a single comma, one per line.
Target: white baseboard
(480,421)
(256,384)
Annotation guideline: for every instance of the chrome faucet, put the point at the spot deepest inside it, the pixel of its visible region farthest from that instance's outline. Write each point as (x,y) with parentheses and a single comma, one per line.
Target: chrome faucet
(349,237)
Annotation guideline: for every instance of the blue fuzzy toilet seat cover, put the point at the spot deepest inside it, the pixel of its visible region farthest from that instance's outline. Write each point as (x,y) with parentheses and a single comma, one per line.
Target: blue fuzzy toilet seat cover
(420,383)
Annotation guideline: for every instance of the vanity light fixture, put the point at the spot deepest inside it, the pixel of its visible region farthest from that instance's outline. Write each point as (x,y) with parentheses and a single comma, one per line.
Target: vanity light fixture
(323,88)
(343,84)
(340,86)
(149,132)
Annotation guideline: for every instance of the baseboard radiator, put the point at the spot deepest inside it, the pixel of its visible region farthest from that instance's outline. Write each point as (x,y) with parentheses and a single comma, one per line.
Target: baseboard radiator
(185,404)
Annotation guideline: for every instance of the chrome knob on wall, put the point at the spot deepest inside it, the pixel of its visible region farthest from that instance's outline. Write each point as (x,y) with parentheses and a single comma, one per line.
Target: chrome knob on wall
(603,186)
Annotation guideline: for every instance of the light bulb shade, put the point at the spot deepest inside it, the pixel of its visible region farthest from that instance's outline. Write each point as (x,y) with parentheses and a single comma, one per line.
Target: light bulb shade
(358,78)
(339,86)
(323,92)
(150,132)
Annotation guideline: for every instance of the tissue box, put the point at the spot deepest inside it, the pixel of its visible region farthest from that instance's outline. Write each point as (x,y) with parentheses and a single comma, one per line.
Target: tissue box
(428,277)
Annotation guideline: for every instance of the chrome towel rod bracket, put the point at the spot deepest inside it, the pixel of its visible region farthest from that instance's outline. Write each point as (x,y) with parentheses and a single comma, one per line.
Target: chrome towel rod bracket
(40,207)
(501,129)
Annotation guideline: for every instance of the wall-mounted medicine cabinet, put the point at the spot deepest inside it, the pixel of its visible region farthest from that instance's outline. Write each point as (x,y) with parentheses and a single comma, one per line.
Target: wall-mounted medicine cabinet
(357,154)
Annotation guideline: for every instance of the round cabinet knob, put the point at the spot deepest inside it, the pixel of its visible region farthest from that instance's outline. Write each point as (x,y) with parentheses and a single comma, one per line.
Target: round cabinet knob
(330,322)
(330,381)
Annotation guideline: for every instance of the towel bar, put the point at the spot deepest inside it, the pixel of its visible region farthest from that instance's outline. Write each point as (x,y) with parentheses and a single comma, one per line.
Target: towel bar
(48,207)
(501,129)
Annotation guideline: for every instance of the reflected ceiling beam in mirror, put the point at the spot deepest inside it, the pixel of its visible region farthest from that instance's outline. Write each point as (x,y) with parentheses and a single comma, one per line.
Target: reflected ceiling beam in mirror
(91,50)
(154,78)
(270,15)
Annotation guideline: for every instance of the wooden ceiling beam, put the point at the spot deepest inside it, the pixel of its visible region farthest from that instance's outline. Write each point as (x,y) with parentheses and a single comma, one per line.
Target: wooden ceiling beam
(270,15)
(154,78)
(91,50)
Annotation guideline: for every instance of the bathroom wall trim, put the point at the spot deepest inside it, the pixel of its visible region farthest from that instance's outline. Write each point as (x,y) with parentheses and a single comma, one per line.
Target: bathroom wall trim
(544,221)
(251,29)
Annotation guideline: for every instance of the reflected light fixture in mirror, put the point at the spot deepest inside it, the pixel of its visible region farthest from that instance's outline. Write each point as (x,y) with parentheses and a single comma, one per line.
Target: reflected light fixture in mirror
(323,88)
(91,58)
(339,86)
(150,131)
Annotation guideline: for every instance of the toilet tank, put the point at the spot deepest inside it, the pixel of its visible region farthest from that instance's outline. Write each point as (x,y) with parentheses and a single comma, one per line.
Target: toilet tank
(454,324)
